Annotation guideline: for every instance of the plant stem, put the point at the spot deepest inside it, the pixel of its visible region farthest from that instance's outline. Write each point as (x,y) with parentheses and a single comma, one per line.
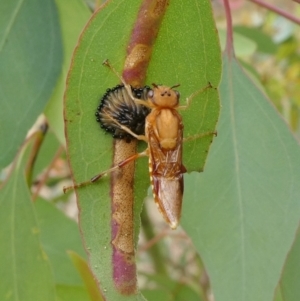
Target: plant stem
(40,135)
(278,10)
(46,173)
(229,37)
(139,52)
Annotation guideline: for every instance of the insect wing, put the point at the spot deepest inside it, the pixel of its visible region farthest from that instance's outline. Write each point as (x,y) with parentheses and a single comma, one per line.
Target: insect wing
(166,173)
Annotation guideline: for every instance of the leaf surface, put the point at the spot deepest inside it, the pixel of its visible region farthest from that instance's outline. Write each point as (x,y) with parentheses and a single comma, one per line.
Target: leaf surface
(55,228)
(30,60)
(184,52)
(25,268)
(289,283)
(73,16)
(243,211)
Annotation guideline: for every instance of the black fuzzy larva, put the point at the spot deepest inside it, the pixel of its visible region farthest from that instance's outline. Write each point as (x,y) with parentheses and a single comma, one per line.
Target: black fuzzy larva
(121,107)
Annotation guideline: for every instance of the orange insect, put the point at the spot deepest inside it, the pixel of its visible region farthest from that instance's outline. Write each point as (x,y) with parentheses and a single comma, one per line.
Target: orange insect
(164,136)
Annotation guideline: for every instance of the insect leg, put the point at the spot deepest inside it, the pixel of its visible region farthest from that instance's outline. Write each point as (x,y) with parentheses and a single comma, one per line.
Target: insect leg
(127,87)
(100,175)
(194,137)
(125,128)
(189,99)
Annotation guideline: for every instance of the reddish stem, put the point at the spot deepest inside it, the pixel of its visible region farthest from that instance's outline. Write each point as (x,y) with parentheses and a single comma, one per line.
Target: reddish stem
(139,52)
(40,136)
(46,174)
(229,37)
(278,10)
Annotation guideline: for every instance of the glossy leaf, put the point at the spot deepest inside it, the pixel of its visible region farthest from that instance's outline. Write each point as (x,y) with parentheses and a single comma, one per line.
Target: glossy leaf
(25,268)
(30,60)
(243,211)
(186,52)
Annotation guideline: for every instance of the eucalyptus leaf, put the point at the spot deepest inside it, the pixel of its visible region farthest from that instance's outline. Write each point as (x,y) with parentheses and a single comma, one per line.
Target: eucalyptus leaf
(25,268)
(55,227)
(73,16)
(30,60)
(290,277)
(187,52)
(243,211)
(71,293)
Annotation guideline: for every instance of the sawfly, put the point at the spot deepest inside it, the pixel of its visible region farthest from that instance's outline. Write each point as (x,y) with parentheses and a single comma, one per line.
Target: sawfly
(164,138)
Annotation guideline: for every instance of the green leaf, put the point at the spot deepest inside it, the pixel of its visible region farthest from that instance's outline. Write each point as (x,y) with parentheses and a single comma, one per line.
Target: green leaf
(243,45)
(55,228)
(25,269)
(157,294)
(87,276)
(243,211)
(263,41)
(186,52)
(73,16)
(46,153)
(291,273)
(72,293)
(169,289)
(189,53)
(278,295)
(30,60)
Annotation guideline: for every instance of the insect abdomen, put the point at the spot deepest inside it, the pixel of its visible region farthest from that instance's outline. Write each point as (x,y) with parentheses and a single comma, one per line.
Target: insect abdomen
(168,197)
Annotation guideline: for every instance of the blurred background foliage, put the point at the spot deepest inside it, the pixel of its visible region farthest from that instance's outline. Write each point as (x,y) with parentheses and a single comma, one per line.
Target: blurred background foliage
(268,46)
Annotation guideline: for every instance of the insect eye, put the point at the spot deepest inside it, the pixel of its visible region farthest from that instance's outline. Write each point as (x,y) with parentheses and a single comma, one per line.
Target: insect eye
(177,94)
(150,94)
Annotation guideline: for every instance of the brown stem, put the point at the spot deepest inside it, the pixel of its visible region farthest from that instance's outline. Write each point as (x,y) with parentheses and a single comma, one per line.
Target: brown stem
(46,173)
(40,135)
(139,52)
(278,10)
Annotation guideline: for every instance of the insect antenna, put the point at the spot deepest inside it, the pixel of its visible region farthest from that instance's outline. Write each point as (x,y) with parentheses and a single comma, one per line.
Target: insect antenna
(175,86)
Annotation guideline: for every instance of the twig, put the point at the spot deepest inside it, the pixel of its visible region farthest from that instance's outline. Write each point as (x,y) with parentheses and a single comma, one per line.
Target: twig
(229,37)
(149,244)
(46,173)
(278,10)
(40,136)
